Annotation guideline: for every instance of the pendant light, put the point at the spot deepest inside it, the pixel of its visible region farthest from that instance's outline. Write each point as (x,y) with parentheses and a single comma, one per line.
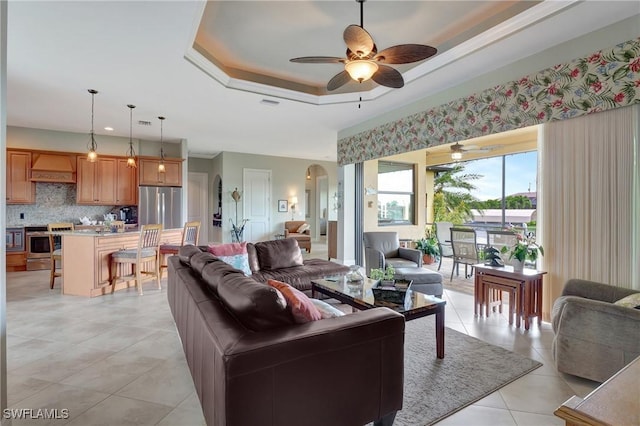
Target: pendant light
(308,174)
(161,168)
(131,154)
(92,156)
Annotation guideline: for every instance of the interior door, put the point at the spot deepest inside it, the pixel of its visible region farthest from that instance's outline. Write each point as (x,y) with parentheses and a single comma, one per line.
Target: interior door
(197,202)
(257,204)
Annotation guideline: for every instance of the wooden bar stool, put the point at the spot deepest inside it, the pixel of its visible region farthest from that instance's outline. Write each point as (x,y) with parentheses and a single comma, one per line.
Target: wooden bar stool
(190,235)
(55,248)
(147,252)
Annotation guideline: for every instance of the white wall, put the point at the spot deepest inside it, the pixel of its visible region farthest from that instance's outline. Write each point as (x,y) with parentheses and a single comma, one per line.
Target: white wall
(53,140)
(288,180)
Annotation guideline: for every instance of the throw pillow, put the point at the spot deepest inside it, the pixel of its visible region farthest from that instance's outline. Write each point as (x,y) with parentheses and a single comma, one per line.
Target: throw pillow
(303,228)
(327,310)
(631,301)
(235,254)
(277,254)
(300,305)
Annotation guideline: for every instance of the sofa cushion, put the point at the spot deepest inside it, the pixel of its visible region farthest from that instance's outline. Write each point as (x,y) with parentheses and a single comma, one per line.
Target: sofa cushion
(297,302)
(277,254)
(327,310)
(631,301)
(257,306)
(213,272)
(300,276)
(254,264)
(235,254)
(199,260)
(185,253)
(302,228)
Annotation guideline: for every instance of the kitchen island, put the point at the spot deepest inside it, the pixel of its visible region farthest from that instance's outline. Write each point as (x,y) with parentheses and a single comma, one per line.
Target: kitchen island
(86,255)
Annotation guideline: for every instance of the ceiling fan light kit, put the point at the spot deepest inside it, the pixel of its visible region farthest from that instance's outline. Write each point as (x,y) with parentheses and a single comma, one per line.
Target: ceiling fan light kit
(456,156)
(361,69)
(364,62)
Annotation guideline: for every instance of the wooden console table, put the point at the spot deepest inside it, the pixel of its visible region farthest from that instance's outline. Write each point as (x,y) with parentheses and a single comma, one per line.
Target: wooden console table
(526,285)
(615,402)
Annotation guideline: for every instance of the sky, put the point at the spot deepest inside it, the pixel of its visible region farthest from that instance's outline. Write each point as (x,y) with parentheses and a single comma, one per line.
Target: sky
(520,175)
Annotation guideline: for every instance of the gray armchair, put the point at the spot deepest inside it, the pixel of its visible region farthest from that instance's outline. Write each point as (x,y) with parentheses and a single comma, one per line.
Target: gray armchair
(594,338)
(383,248)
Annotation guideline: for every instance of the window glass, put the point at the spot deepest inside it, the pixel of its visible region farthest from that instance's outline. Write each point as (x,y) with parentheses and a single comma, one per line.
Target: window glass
(396,183)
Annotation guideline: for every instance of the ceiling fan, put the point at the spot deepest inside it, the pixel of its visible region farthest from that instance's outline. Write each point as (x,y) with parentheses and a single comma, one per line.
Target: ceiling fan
(457,149)
(364,62)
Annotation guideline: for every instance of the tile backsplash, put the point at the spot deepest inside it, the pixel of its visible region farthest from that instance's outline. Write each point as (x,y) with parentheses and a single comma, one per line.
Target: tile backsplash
(55,202)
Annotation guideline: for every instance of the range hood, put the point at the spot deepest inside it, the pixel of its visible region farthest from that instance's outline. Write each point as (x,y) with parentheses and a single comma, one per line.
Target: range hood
(50,167)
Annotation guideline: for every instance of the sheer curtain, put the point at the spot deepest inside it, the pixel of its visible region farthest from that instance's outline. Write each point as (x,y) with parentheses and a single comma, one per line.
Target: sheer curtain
(589,205)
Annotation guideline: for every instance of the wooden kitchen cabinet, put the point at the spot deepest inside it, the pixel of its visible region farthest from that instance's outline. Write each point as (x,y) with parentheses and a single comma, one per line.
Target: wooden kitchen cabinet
(126,184)
(20,189)
(97,182)
(149,174)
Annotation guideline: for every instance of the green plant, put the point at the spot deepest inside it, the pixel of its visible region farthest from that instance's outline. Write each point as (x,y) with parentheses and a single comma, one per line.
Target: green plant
(428,246)
(524,248)
(382,274)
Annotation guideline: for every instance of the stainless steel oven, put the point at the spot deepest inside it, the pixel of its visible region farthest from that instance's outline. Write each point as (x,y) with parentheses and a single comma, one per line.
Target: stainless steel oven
(37,247)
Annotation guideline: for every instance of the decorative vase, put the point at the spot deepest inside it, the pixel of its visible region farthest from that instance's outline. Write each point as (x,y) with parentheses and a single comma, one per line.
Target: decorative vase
(354,275)
(518,265)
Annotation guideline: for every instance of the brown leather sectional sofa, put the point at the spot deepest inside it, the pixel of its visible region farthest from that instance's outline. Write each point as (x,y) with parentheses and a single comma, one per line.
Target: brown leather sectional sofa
(252,365)
(282,260)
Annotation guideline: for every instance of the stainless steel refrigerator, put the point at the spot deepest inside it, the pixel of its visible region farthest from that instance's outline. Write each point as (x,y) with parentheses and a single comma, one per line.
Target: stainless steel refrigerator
(160,204)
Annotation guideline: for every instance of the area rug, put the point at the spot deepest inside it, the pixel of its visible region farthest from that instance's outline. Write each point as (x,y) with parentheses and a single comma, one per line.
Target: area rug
(471,369)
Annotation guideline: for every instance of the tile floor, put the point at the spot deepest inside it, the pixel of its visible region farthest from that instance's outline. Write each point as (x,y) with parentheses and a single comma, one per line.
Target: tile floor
(116,360)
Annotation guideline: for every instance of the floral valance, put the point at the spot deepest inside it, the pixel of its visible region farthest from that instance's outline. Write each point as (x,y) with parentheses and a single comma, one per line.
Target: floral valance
(604,80)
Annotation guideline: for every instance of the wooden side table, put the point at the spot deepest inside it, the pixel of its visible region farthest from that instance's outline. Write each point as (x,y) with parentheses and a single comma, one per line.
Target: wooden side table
(528,285)
(615,402)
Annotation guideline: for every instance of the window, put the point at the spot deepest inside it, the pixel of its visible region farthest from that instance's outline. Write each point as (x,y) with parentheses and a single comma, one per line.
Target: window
(396,199)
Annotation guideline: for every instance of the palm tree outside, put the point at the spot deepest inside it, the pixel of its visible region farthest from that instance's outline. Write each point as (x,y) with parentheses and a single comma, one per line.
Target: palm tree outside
(453,199)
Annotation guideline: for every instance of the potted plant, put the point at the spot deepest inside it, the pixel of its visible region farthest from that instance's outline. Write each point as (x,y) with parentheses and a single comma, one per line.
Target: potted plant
(429,249)
(384,275)
(525,248)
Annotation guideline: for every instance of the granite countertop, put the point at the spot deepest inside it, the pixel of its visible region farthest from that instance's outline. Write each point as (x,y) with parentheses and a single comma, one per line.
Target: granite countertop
(94,233)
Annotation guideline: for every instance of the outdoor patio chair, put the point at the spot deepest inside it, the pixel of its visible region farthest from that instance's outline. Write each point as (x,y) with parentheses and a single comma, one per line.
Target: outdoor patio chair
(443,235)
(499,239)
(465,250)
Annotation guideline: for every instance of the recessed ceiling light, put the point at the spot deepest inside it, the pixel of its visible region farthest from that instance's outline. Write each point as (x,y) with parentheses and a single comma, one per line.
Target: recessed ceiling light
(109,129)
(269,102)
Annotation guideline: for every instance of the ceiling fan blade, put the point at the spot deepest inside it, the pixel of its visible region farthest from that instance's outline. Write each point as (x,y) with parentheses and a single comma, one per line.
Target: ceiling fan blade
(317,60)
(389,77)
(405,53)
(338,80)
(358,40)
(457,147)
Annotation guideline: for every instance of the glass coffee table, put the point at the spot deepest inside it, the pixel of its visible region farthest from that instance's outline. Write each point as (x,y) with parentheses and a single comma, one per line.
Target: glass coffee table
(359,295)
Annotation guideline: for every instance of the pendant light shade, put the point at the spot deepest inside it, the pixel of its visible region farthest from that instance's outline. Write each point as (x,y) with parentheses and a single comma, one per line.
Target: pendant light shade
(131,154)
(92,146)
(161,167)
(308,174)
